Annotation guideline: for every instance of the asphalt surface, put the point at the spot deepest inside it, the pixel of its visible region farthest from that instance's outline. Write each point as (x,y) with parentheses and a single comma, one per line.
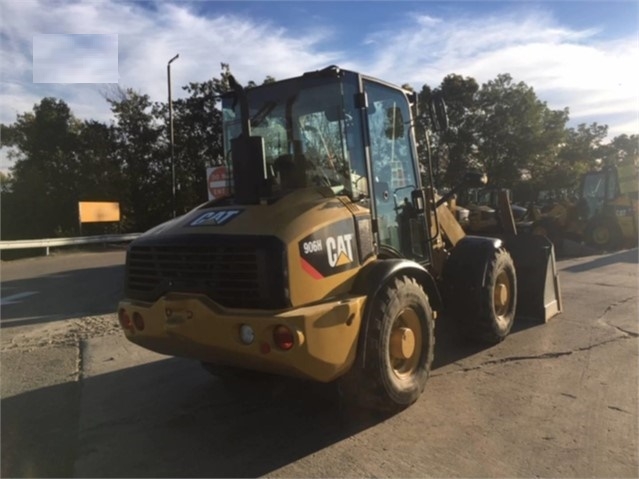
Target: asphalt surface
(553,400)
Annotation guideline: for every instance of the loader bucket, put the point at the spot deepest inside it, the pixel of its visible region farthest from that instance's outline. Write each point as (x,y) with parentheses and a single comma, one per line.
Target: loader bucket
(538,290)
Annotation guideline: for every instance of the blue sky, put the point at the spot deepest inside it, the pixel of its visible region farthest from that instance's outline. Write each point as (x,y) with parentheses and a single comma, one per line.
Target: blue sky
(577,54)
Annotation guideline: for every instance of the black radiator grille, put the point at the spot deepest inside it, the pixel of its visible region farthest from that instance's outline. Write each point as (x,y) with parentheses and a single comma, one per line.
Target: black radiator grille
(235,272)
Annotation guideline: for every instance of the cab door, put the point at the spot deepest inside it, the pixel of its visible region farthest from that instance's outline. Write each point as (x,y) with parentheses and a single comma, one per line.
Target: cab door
(400,230)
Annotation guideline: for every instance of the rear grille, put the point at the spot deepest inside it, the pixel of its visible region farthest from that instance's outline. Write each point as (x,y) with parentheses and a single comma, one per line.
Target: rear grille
(236,272)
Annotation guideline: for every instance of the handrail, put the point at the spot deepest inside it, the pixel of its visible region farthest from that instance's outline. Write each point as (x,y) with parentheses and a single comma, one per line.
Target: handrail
(49,242)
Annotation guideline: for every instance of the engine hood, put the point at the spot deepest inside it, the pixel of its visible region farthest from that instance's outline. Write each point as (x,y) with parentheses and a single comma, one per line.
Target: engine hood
(286,218)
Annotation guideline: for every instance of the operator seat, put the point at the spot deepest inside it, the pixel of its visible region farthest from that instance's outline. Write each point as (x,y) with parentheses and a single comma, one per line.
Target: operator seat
(291,171)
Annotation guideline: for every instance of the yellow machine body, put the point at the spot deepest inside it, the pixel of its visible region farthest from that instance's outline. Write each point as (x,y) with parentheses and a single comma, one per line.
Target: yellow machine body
(323,316)
(330,256)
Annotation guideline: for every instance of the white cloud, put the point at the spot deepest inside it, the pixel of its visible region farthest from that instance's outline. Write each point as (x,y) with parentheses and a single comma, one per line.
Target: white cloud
(566,68)
(596,79)
(149,38)
(74,58)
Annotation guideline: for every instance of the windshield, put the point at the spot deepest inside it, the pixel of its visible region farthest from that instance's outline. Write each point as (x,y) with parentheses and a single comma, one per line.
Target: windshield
(594,185)
(310,127)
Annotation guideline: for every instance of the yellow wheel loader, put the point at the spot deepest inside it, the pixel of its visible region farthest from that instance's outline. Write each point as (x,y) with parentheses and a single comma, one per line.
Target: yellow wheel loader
(605,215)
(329,260)
(483,210)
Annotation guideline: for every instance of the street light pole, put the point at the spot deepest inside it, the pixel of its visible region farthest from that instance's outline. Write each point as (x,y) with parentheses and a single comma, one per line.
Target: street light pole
(168,75)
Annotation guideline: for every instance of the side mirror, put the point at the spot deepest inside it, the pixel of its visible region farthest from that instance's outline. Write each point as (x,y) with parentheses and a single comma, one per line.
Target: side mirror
(438,113)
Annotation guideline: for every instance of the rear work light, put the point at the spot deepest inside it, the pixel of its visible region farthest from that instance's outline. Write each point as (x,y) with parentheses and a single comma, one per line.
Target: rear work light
(283,337)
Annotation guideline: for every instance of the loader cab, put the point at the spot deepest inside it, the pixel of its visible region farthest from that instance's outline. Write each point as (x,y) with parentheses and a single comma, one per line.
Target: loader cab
(597,189)
(344,131)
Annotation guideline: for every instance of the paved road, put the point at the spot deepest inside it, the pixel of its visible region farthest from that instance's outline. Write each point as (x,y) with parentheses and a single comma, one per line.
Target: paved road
(554,400)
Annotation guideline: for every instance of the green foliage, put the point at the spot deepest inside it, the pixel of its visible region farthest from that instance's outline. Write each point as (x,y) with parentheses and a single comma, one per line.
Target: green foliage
(43,185)
(458,141)
(518,131)
(623,149)
(500,127)
(60,160)
(198,141)
(139,153)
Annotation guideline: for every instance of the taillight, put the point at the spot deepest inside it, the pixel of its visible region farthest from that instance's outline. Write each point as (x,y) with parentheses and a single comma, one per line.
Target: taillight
(125,320)
(283,337)
(138,321)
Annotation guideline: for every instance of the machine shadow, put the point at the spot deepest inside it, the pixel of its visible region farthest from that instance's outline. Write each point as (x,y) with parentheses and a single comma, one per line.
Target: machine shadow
(451,346)
(172,419)
(626,256)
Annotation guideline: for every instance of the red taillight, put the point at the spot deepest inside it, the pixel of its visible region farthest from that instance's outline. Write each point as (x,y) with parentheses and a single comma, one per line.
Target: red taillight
(125,320)
(138,321)
(283,337)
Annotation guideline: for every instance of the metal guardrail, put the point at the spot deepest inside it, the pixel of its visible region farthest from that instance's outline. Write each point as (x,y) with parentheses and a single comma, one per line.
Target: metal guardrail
(50,242)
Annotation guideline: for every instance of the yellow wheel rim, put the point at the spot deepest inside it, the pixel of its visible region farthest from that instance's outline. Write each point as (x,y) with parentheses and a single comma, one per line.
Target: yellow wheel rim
(502,296)
(601,235)
(405,345)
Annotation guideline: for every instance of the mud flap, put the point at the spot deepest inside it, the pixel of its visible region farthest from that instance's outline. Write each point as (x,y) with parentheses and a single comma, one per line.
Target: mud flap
(538,290)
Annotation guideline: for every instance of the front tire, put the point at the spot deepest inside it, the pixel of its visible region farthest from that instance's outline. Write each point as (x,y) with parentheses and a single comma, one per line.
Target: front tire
(484,305)
(397,349)
(604,234)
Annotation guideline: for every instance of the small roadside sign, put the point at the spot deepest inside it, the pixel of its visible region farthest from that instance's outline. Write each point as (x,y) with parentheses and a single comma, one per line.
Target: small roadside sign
(217,182)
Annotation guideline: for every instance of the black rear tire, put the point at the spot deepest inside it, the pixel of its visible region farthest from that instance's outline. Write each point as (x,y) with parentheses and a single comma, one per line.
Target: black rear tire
(396,352)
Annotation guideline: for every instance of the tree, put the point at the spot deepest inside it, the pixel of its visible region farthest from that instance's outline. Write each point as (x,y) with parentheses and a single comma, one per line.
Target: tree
(145,168)
(516,132)
(198,135)
(460,139)
(579,152)
(623,149)
(99,172)
(198,140)
(42,187)
(501,128)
